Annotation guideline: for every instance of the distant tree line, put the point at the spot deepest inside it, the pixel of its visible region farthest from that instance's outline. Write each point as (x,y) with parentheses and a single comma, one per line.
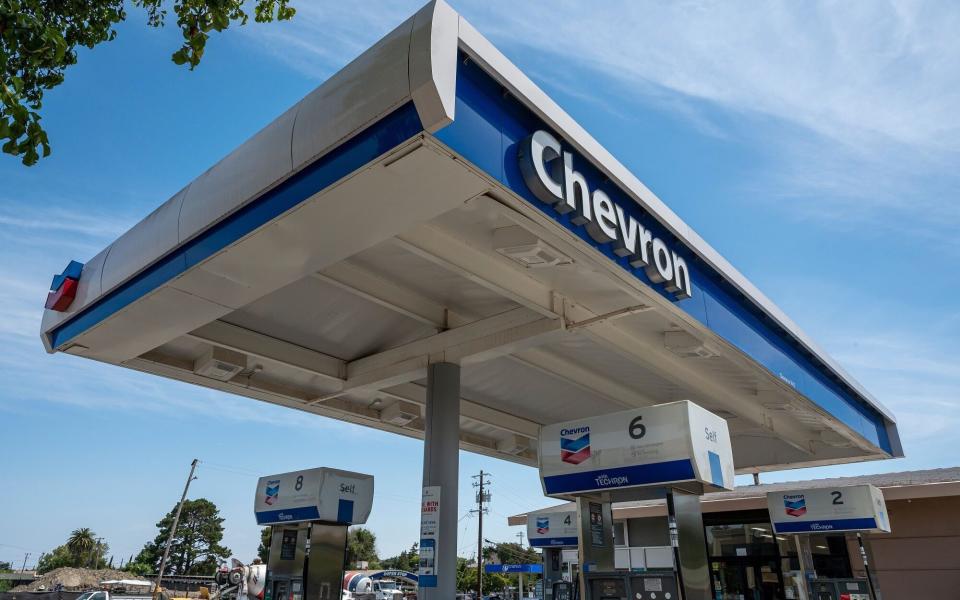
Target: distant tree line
(82,549)
(5,567)
(195,550)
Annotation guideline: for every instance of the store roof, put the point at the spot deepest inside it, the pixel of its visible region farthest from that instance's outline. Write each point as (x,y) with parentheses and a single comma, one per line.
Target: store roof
(902,485)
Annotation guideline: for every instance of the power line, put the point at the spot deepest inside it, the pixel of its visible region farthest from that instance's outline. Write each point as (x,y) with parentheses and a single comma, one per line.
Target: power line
(530,501)
(463,533)
(239,471)
(499,514)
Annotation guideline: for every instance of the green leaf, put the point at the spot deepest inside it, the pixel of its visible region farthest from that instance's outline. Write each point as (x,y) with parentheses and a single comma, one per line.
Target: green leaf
(180,56)
(39,41)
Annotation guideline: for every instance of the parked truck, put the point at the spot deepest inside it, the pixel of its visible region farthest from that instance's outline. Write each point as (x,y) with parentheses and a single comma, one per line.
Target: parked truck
(239,581)
(364,585)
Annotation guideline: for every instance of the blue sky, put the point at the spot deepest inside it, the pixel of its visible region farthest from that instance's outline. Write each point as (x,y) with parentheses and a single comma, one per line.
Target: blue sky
(816,146)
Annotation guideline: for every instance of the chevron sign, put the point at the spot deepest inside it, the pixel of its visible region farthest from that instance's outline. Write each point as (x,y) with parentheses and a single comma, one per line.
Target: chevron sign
(64,287)
(795,505)
(575,445)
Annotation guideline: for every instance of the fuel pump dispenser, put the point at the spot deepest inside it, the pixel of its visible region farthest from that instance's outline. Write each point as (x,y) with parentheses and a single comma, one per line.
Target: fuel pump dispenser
(837,509)
(309,513)
(676,451)
(552,532)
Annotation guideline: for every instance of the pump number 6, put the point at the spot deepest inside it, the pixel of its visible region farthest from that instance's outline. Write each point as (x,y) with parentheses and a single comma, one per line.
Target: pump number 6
(637,429)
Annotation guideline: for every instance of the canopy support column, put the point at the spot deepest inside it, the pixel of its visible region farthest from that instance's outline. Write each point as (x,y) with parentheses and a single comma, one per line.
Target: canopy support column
(441,462)
(689,544)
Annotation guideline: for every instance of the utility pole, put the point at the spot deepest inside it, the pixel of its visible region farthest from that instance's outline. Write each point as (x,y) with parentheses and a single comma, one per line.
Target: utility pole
(520,537)
(25,557)
(483,495)
(173,528)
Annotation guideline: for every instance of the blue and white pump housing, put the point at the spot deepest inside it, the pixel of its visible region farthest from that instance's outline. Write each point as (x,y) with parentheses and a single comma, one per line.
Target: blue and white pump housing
(675,445)
(322,494)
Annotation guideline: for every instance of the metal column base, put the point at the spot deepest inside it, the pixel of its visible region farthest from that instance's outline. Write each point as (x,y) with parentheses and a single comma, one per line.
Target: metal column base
(689,545)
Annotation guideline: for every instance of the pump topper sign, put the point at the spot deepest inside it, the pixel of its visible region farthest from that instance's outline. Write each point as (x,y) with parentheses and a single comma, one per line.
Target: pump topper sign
(552,529)
(676,443)
(323,494)
(847,508)
(548,171)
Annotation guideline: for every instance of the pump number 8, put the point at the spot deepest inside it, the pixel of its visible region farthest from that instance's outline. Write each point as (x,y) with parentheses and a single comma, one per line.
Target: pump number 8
(637,429)
(299,483)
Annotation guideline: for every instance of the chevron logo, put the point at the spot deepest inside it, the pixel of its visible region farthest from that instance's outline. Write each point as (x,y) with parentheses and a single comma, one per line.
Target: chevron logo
(543,525)
(272,492)
(63,289)
(575,445)
(795,505)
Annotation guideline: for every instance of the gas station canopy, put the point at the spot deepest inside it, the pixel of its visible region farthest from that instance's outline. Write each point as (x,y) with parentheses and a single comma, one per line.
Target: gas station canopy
(429,203)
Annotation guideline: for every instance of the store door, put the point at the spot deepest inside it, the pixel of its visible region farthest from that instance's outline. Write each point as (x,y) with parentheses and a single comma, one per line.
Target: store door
(746,578)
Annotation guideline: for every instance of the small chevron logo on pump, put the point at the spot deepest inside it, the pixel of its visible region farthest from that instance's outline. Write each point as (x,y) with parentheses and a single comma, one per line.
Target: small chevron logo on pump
(795,505)
(543,525)
(272,492)
(575,445)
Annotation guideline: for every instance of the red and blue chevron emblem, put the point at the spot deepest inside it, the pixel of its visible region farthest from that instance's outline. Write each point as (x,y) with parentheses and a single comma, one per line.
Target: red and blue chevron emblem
(575,446)
(795,506)
(543,525)
(64,287)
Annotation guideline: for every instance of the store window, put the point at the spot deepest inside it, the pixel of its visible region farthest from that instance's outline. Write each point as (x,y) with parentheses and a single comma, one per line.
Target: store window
(619,533)
(830,556)
(749,561)
(746,539)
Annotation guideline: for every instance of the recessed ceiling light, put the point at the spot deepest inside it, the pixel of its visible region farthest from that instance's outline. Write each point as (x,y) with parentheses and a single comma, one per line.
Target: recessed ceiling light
(521,246)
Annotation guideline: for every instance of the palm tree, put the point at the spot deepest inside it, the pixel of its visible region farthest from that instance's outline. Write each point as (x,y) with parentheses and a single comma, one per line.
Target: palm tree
(80,544)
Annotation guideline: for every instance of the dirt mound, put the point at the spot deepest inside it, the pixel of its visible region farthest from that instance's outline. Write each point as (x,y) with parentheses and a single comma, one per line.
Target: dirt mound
(74,579)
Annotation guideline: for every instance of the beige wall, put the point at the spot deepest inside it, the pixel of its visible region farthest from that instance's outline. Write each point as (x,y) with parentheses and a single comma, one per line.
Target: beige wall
(921,557)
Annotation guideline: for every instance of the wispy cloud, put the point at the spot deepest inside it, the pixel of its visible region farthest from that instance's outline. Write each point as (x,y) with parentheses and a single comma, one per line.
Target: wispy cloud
(901,351)
(854,72)
(851,71)
(86,225)
(324,36)
(44,214)
(854,102)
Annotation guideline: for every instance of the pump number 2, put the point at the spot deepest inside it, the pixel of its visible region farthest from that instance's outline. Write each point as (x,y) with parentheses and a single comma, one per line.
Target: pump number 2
(637,429)
(837,497)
